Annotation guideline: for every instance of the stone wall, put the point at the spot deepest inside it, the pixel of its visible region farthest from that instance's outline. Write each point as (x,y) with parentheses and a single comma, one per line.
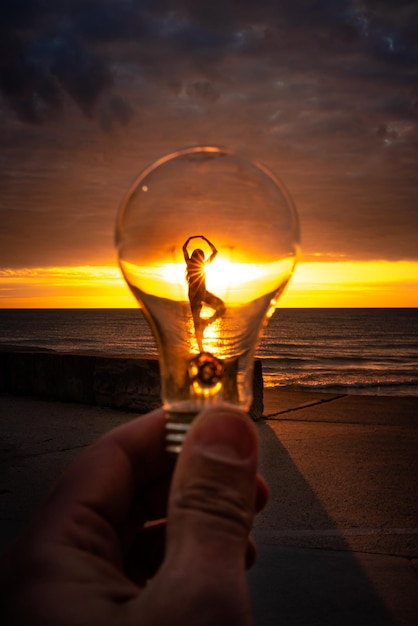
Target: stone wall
(131,384)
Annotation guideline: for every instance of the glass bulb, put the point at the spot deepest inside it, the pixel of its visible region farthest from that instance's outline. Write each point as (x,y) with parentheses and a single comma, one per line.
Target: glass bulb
(207,241)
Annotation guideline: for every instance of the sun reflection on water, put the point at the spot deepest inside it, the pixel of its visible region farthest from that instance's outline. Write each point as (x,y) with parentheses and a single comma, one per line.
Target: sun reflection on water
(213,334)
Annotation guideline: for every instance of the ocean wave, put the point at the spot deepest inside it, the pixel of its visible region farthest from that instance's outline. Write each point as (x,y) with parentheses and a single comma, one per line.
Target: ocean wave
(395,388)
(346,351)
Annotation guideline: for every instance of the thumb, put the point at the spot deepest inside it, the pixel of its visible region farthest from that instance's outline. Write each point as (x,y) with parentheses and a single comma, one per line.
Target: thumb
(211,510)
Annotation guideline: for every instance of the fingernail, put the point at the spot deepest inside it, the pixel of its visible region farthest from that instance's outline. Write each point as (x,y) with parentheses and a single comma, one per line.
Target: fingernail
(226,434)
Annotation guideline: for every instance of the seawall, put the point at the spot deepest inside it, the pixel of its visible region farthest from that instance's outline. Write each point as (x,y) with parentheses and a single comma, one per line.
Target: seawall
(119,382)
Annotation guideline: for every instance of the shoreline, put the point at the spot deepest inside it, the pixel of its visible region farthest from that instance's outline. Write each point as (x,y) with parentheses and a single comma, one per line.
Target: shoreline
(125,383)
(347,391)
(386,390)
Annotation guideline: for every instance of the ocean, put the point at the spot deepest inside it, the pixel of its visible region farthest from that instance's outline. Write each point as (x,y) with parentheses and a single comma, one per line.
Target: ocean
(367,351)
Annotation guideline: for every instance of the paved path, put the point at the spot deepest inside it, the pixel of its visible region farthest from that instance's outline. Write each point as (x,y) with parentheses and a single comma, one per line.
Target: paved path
(338,543)
(339,539)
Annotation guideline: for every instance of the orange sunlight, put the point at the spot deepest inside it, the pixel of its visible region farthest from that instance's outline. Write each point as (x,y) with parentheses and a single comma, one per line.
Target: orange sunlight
(64,287)
(353,284)
(314,284)
(233,282)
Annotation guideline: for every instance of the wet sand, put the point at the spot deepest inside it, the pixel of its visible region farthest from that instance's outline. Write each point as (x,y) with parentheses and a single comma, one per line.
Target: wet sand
(338,542)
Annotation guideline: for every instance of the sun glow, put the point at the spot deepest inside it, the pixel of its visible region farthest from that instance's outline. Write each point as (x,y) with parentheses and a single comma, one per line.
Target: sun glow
(222,274)
(233,282)
(314,284)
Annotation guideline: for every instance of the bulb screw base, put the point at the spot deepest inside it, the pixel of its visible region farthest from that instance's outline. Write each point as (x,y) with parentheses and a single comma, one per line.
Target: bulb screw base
(176,428)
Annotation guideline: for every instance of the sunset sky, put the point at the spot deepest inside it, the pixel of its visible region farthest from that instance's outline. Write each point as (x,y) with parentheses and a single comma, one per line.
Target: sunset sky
(324,92)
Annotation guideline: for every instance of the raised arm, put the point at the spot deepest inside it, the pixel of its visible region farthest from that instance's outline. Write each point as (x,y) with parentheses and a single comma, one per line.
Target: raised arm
(212,247)
(186,243)
(210,244)
(185,253)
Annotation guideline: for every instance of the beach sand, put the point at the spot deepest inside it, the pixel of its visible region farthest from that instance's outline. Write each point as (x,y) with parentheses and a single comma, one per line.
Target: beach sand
(338,542)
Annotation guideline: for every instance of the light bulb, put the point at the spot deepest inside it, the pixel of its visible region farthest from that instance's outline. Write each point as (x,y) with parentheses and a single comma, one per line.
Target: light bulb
(207,241)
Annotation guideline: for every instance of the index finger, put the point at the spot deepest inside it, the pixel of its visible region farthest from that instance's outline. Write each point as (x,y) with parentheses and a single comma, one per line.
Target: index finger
(108,474)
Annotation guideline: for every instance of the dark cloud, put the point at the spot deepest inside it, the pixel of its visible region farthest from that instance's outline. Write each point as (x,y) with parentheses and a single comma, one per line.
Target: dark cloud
(202,90)
(33,77)
(323,91)
(68,63)
(117,110)
(28,91)
(52,49)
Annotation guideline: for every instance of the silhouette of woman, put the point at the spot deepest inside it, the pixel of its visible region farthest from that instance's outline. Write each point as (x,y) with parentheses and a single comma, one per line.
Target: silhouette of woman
(198,294)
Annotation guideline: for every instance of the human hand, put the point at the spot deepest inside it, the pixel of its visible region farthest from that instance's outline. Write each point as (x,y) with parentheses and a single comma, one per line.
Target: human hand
(93,556)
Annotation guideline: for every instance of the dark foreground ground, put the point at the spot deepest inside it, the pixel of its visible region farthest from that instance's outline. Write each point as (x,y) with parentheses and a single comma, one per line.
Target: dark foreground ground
(338,542)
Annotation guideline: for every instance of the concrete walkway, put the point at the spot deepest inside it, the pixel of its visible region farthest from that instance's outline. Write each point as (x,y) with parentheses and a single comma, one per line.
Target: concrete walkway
(338,542)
